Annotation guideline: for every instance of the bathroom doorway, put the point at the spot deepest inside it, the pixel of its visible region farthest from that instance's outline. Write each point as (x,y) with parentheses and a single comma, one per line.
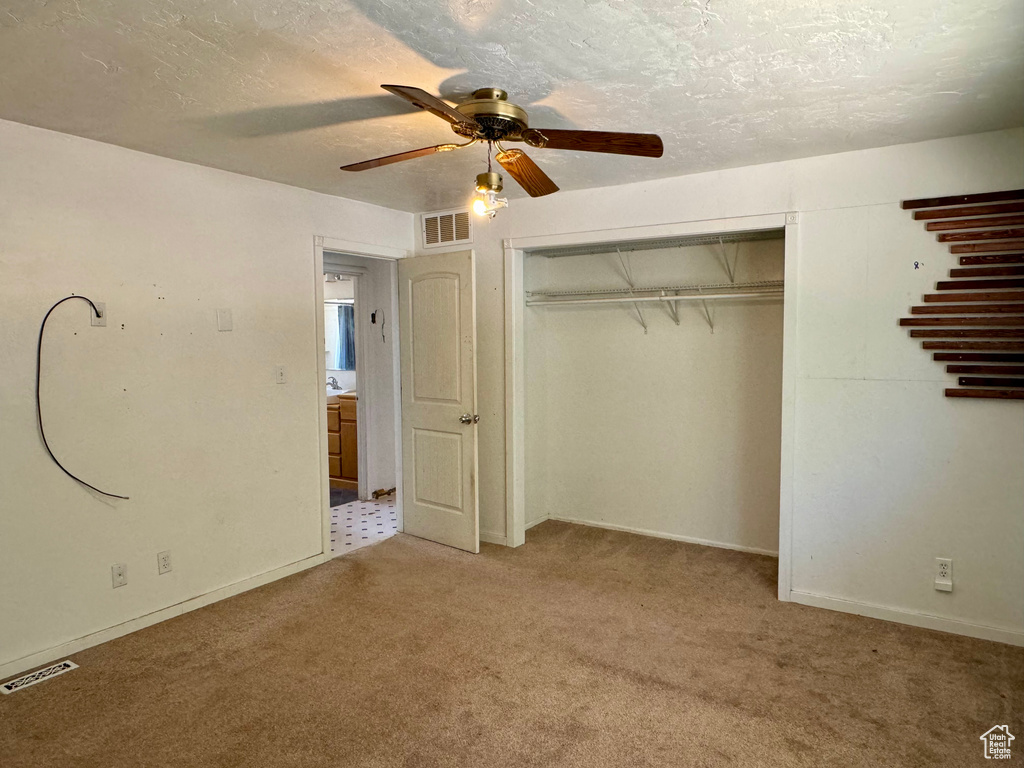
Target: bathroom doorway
(359,359)
(340,362)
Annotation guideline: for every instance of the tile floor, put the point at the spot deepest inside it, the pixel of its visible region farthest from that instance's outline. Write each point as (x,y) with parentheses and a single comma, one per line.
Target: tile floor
(361,523)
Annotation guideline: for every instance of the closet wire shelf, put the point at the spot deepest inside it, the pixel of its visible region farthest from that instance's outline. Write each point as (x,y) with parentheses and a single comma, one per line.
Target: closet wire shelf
(670,294)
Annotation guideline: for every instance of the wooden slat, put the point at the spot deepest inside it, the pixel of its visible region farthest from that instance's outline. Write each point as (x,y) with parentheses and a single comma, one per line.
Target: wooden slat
(977,357)
(990,381)
(997,394)
(963,285)
(1005,370)
(1016,321)
(977,309)
(981,234)
(984,197)
(993,247)
(1002,258)
(987,271)
(977,346)
(987,221)
(950,298)
(974,210)
(973,333)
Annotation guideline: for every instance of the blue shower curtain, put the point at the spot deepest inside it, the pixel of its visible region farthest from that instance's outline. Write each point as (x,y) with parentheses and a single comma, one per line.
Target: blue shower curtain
(346,338)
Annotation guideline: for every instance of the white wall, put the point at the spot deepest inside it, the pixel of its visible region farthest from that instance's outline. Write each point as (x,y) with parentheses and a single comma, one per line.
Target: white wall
(675,432)
(221,463)
(888,473)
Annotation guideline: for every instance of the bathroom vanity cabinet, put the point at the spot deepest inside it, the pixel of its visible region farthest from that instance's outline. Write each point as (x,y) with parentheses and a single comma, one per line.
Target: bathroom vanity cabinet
(342,446)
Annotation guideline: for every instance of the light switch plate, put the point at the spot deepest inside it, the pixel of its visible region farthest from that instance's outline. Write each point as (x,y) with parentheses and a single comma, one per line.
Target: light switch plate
(224,322)
(280,375)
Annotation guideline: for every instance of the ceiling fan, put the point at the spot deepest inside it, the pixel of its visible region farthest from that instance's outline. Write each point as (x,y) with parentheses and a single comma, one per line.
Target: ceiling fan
(489,116)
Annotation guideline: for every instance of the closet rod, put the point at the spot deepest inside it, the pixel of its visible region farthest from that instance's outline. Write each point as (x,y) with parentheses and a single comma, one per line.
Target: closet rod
(689,297)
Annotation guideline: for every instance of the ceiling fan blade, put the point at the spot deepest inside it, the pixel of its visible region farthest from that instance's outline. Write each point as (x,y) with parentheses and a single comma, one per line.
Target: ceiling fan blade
(642,144)
(529,175)
(397,158)
(420,98)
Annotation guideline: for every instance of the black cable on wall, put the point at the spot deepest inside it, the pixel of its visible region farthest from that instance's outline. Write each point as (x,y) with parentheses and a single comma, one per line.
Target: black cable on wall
(39,410)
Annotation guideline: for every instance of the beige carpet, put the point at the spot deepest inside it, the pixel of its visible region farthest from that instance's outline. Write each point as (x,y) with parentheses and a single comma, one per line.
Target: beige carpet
(583,648)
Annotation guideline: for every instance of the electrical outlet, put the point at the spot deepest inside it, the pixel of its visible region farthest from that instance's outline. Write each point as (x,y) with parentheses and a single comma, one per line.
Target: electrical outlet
(944,574)
(163,562)
(119,574)
(98,320)
(279,373)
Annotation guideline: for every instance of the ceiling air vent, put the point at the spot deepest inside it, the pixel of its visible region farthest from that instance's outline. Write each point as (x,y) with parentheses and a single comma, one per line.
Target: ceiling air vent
(447,228)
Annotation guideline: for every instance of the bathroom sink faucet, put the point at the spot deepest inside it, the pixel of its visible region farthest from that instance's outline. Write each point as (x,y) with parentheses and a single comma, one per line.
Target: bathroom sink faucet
(334,383)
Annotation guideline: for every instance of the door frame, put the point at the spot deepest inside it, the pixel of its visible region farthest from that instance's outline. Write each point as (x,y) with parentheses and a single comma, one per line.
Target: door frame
(323,243)
(515,357)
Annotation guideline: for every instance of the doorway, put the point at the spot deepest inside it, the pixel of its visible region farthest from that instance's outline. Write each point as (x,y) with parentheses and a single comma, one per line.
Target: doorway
(415,393)
(359,407)
(342,392)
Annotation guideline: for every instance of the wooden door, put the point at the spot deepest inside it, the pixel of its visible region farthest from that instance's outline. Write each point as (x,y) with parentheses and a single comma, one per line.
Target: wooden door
(437,319)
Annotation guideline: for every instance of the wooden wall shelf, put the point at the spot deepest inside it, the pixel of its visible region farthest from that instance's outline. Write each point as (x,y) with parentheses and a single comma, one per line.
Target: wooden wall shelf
(1001,394)
(989,381)
(974,309)
(972,333)
(980,346)
(995,246)
(1004,370)
(1007,271)
(1011,320)
(1002,258)
(984,284)
(976,321)
(974,296)
(973,210)
(989,221)
(977,357)
(984,234)
(985,197)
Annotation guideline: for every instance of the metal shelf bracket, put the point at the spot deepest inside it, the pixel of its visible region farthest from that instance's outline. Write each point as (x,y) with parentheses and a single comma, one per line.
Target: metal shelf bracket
(628,274)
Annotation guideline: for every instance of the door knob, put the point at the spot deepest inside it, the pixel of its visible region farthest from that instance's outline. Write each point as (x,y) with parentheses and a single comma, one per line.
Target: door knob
(467,418)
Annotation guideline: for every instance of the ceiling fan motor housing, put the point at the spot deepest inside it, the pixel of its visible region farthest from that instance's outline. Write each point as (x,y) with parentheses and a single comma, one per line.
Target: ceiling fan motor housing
(488,182)
(496,118)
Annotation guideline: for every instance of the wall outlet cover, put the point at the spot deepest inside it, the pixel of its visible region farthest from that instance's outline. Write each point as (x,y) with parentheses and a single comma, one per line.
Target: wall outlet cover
(163,562)
(119,575)
(224,320)
(101,321)
(944,574)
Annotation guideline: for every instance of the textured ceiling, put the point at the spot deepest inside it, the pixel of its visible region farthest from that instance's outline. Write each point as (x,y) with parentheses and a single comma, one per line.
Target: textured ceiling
(289,90)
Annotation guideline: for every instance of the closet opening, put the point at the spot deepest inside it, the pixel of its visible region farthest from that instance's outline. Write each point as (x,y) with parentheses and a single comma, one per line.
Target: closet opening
(653,387)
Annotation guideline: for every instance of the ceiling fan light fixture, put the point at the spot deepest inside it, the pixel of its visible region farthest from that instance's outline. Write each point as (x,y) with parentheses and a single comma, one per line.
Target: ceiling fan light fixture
(486,201)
